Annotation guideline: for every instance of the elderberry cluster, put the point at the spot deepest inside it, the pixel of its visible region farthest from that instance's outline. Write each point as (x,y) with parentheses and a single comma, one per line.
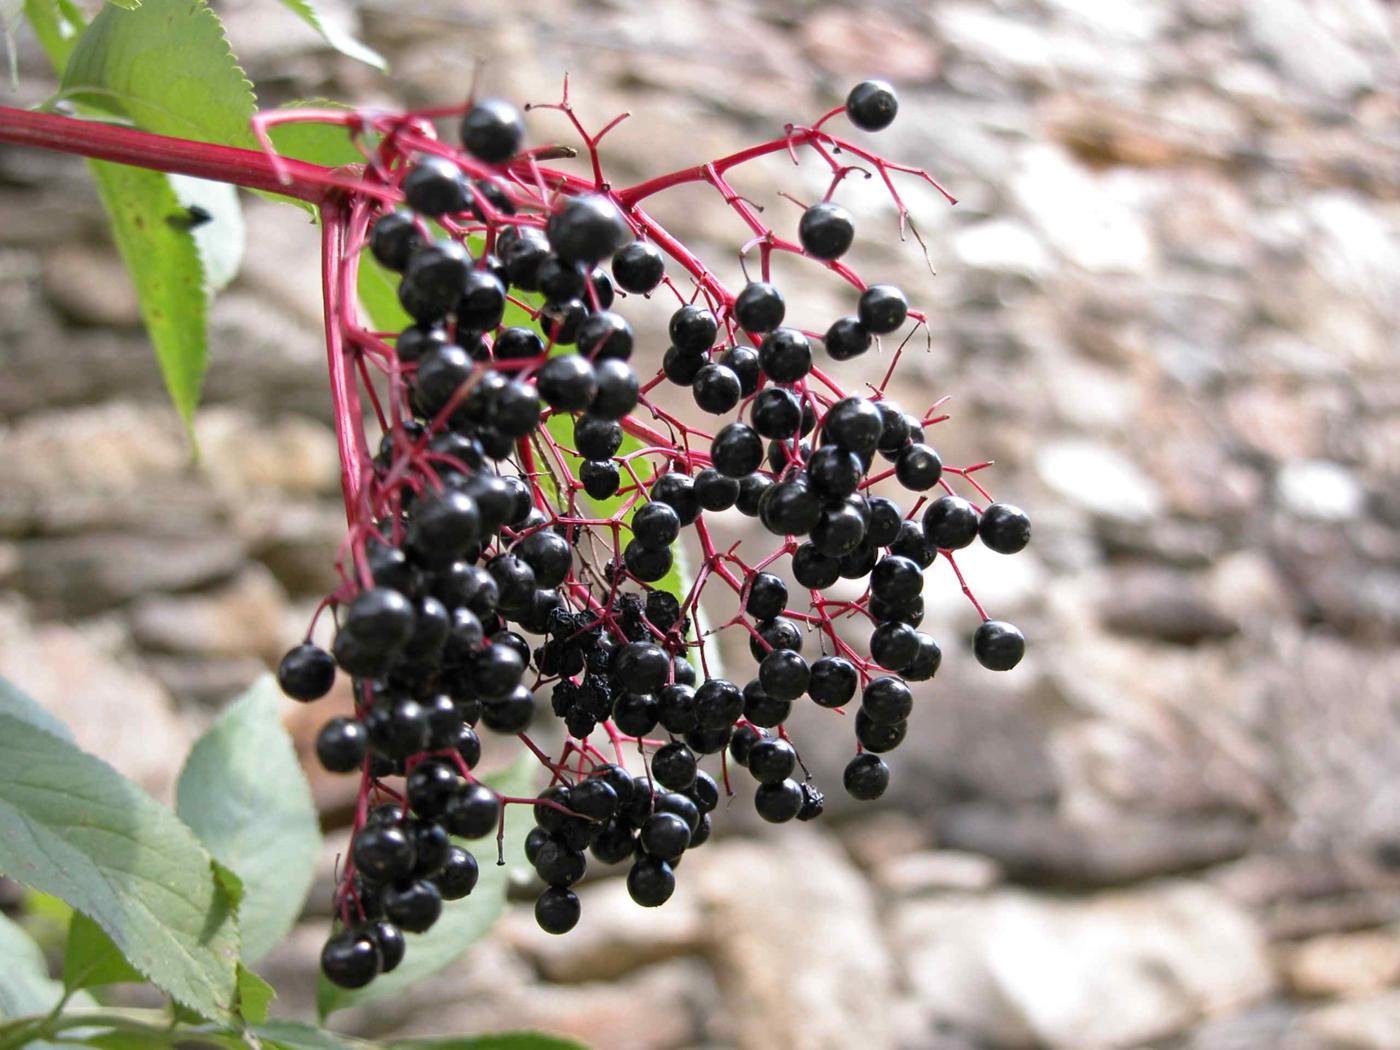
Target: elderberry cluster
(475,527)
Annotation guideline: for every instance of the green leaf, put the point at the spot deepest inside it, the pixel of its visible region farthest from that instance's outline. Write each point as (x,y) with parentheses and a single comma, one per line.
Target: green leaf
(25,984)
(125,5)
(335,36)
(56,27)
(314,141)
(121,1041)
(463,922)
(379,296)
(13,702)
(497,1041)
(254,996)
(91,960)
(72,826)
(243,793)
(167,67)
(293,1035)
(11,11)
(165,267)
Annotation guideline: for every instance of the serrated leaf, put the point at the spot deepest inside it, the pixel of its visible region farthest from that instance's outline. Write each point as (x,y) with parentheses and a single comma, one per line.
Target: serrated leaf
(13,702)
(495,1041)
(126,5)
(337,37)
(90,959)
(254,996)
(243,793)
(164,265)
(72,826)
(463,922)
(167,67)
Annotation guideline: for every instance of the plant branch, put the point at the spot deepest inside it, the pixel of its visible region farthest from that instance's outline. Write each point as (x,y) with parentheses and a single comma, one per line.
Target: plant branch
(141,149)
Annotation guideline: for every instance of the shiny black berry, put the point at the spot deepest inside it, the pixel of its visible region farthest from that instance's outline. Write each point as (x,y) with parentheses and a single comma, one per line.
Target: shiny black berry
(492,131)
(307,672)
(1004,528)
(759,307)
(351,959)
(872,105)
(436,186)
(866,777)
(882,308)
(826,230)
(638,267)
(998,645)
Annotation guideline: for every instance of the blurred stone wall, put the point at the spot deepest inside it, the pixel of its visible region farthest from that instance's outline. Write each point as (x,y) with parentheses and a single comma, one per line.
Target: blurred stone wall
(1167,305)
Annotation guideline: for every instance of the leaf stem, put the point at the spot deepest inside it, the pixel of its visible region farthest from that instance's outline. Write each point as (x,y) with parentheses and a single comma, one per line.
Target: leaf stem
(203,160)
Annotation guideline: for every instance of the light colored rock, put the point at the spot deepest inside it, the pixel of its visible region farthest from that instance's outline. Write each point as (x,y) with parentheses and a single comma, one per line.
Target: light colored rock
(1346,964)
(1310,56)
(1092,220)
(795,941)
(79,575)
(937,871)
(1360,1024)
(1098,478)
(614,937)
(91,286)
(1320,490)
(291,455)
(114,711)
(1002,246)
(241,618)
(1115,970)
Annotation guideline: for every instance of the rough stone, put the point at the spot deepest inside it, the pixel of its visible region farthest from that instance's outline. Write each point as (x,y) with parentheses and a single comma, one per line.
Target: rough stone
(85,574)
(615,937)
(1015,969)
(242,618)
(1166,605)
(1100,479)
(90,286)
(1349,964)
(935,871)
(753,943)
(1371,1023)
(1042,847)
(113,709)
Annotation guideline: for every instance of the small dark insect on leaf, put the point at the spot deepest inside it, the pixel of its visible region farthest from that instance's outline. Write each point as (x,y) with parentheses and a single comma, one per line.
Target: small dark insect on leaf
(190,217)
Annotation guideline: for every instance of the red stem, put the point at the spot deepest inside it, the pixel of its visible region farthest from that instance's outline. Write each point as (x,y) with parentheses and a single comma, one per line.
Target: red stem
(141,149)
